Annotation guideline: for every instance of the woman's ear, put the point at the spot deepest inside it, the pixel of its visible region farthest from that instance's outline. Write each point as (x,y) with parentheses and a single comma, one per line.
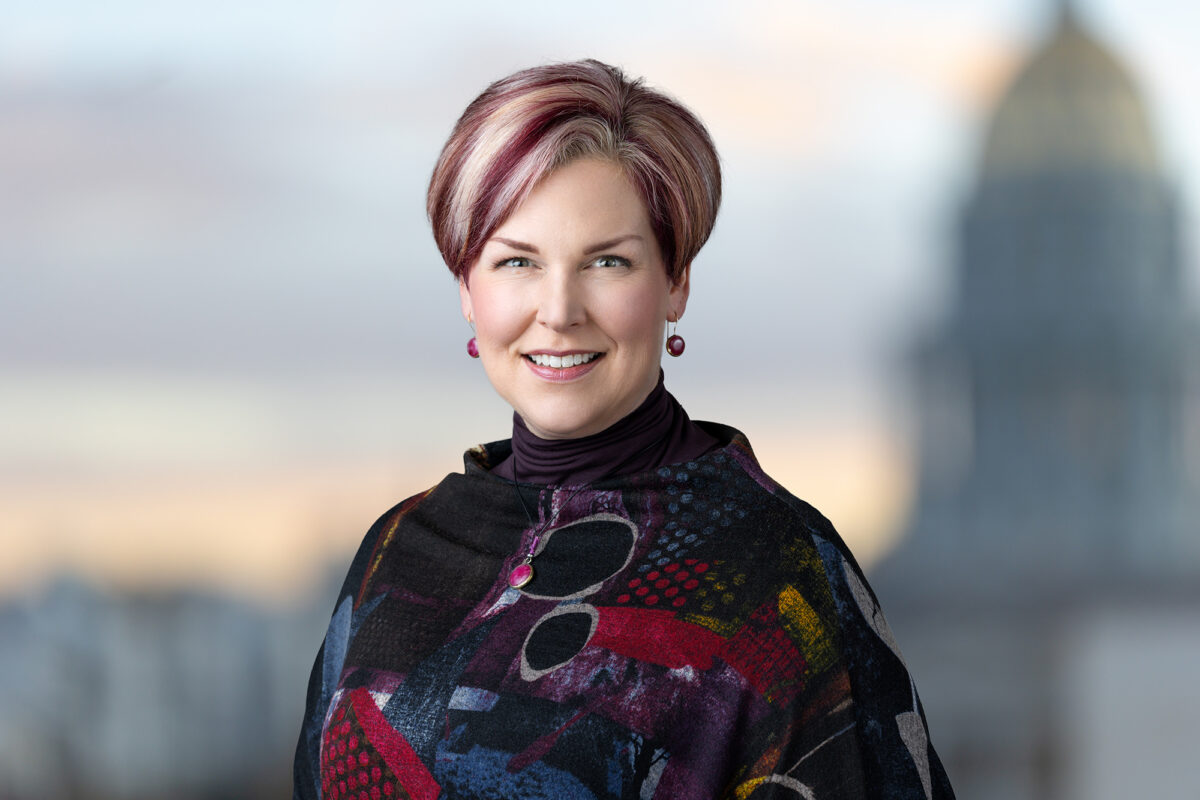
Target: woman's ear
(464,297)
(677,296)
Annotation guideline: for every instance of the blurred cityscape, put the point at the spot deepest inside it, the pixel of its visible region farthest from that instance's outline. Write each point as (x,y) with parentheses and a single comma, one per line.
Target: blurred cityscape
(1049,588)
(167,694)
(1046,592)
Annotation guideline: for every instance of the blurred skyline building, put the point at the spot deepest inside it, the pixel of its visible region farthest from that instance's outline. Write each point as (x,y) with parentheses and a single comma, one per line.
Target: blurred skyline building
(130,696)
(1046,588)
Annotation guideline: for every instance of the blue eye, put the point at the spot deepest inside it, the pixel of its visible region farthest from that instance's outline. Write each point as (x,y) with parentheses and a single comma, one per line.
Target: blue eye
(611,261)
(515,261)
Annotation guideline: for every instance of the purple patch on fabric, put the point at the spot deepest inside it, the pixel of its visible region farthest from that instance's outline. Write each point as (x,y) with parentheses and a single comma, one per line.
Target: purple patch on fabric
(500,654)
(668,706)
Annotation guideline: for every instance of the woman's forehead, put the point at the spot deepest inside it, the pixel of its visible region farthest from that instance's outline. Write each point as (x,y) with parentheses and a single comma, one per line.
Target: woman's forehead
(588,201)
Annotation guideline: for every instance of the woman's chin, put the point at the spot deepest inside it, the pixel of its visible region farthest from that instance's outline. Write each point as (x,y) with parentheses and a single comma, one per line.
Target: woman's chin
(569,423)
(560,430)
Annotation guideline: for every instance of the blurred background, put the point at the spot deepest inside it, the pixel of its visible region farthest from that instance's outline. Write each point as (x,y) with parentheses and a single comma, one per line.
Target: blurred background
(950,299)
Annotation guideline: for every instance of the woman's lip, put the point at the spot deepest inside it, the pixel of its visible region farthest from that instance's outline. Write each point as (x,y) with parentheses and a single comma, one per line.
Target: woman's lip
(559,352)
(562,374)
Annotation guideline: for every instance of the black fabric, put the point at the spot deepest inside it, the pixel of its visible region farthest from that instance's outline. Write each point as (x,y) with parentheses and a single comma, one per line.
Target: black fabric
(725,644)
(657,432)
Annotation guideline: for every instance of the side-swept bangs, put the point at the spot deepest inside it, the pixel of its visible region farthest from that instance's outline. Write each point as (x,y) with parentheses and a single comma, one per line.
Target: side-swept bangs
(524,126)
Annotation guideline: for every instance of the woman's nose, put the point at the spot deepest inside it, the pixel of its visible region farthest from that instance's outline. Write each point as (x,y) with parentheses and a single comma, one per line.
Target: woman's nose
(560,304)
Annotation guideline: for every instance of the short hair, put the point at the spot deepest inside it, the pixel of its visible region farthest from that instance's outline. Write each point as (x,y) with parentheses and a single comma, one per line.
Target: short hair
(524,126)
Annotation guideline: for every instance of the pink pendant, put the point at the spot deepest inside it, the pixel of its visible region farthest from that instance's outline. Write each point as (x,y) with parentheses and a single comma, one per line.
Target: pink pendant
(472,348)
(675,345)
(521,575)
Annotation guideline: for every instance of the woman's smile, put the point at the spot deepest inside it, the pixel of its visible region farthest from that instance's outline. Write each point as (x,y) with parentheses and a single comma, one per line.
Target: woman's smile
(569,367)
(563,361)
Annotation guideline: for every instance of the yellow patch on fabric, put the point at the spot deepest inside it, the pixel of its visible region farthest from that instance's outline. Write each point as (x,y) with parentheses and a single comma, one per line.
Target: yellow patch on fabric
(806,629)
(746,789)
(798,556)
(800,559)
(722,627)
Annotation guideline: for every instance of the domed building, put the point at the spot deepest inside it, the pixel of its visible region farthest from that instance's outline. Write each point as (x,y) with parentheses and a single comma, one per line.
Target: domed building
(1056,522)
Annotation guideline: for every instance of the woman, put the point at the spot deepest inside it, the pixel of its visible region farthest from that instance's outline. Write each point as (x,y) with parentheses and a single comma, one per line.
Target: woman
(617,602)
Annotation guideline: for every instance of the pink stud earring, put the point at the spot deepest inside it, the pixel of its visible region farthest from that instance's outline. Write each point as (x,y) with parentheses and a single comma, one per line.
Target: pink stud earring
(675,343)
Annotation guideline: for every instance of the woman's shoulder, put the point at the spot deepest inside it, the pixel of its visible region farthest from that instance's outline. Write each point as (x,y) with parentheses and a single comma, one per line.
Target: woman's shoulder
(380,532)
(389,525)
(786,526)
(453,534)
(735,450)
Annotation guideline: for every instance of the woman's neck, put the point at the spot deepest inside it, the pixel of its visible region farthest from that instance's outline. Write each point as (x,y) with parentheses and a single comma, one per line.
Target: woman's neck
(657,432)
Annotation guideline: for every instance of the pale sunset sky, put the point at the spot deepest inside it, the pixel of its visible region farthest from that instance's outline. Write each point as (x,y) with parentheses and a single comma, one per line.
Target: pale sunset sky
(227,342)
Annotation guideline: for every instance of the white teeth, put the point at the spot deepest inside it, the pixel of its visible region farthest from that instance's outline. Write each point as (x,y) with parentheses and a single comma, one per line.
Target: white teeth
(560,362)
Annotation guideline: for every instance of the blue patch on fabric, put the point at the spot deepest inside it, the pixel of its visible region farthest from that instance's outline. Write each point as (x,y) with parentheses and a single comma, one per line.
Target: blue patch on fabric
(468,698)
(618,767)
(831,558)
(363,612)
(484,773)
(337,638)
(417,708)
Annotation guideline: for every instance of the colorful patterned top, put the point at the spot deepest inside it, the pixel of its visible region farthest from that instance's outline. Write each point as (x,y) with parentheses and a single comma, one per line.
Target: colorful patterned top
(690,632)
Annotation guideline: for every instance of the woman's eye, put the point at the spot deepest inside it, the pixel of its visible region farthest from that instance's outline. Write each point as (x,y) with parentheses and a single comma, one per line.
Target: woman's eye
(611,261)
(515,261)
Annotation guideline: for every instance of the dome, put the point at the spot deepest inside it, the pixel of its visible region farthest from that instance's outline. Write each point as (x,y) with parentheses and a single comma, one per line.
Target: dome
(1074,106)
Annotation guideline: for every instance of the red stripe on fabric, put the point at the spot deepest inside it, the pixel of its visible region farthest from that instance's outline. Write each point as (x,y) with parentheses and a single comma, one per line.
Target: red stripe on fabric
(760,651)
(656,637)
(765,655)
(397,753)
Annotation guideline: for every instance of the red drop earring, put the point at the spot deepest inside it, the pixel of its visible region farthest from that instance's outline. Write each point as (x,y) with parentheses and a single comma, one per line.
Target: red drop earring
(675,343)
(472,345)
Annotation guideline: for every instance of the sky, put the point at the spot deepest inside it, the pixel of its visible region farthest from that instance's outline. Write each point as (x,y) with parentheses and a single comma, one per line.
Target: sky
(227,342)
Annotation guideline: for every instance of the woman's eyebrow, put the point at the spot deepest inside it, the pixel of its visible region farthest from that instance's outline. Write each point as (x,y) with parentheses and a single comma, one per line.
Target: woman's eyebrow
(595,248)
(514,244)
(607,243)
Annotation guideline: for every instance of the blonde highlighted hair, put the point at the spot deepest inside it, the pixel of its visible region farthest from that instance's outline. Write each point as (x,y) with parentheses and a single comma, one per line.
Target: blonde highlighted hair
(526,125)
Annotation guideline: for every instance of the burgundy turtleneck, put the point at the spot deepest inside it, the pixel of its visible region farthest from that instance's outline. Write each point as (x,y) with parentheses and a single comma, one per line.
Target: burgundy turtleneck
(655,433)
